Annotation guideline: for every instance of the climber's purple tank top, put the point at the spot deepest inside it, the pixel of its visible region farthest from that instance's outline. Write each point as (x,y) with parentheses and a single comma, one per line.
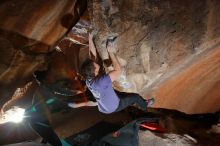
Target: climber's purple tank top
(104,93)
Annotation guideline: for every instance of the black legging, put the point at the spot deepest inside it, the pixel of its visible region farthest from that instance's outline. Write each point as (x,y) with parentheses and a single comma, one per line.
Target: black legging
(127,99)
(42,126)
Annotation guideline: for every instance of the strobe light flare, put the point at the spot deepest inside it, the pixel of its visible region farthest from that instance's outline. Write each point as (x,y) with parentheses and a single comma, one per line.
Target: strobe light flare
(15,115)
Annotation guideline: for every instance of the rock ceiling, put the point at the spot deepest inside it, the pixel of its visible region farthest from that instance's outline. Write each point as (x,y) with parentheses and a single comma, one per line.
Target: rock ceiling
(168,49)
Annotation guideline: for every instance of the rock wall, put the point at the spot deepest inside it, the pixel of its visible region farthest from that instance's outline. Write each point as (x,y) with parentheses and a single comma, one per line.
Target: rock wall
(158,42)
(29,30)
(168,49)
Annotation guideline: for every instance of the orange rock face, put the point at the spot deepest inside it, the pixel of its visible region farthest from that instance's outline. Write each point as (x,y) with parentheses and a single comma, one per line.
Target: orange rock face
(155,39)
(28,32)
(168,49)
(194,88)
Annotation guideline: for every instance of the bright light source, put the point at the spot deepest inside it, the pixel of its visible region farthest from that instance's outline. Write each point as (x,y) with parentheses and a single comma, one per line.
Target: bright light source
(15,115)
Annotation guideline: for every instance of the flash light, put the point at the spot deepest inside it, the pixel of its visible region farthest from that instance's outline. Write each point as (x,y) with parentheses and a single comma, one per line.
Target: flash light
(15,115)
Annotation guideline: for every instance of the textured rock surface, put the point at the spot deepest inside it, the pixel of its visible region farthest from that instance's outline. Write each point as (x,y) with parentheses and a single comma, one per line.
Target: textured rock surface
(193,88)
(155,40)
(28,32)
(168,49)
(149,138)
